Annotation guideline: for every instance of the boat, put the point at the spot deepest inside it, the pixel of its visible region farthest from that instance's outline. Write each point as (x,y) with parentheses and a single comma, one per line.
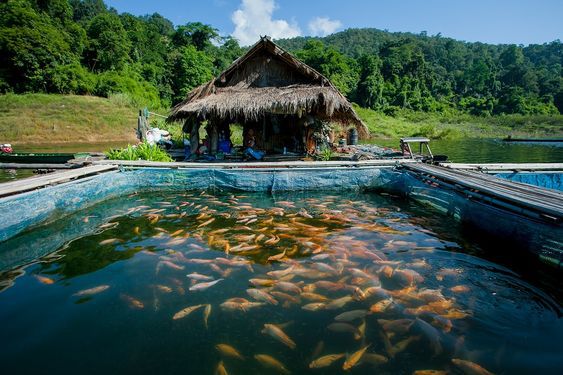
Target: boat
(533,140)
(38,157)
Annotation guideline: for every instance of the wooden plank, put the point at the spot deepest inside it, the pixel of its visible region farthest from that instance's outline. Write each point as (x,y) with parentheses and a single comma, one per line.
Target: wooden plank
(548,199)
(528,191)
(36,182)
(37,166)
(257,165)
(506,167)
(543,200)
(522,200)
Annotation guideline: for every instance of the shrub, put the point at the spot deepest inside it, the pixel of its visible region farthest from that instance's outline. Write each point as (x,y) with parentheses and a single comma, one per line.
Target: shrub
(71,79)
(140,93)
(142,151)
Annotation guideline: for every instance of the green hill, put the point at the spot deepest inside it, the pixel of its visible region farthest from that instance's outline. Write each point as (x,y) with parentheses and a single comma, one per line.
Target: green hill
(51,118)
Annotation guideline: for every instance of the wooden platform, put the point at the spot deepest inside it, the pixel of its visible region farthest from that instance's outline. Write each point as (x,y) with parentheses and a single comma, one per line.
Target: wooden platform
(545,202)
(507,167)
(37,182)
(37,166)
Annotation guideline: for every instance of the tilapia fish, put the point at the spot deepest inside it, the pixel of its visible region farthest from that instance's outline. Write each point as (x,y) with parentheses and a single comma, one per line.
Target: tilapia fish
(187,311)
(91,291)
(326,360)
(470,368)
(229,351)
(204,286)
(270,362)
(276,332)
(349,316)
(355,358)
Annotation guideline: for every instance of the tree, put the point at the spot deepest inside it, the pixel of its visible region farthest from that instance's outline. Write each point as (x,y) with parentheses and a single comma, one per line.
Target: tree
(339,69)
(109,45)
(85,10)
(371,84)
(191,69)
(29,45)
(59,10)
(195,34)
(226,54)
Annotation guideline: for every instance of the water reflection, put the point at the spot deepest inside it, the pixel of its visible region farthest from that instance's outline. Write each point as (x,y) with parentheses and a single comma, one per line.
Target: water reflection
(490,151)
(300,283)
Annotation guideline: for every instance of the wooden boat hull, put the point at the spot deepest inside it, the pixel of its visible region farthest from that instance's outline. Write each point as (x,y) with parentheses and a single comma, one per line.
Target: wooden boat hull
(36,158)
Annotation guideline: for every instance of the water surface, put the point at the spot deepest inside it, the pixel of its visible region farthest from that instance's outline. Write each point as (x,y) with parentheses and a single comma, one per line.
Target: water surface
(423,291)
(490,150)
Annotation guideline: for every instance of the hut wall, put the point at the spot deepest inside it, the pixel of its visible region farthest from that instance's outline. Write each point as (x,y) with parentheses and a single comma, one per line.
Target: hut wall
(265,70)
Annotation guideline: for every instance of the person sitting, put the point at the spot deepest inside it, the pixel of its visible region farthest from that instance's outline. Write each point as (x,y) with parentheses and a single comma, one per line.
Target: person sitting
(250,144)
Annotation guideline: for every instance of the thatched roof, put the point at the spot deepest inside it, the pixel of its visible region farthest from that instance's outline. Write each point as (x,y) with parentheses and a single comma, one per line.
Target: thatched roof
(267,79)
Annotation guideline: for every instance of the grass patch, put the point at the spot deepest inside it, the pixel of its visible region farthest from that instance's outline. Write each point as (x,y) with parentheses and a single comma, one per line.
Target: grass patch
(458,125)
(50,118)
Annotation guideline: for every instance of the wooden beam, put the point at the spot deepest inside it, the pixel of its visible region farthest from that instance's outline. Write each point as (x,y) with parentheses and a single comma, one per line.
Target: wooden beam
(390,163)
(505,167)
(37,182)
(37,166)
(531,197)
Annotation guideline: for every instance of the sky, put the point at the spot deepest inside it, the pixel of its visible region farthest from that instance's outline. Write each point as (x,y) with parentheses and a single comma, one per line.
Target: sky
(490,21)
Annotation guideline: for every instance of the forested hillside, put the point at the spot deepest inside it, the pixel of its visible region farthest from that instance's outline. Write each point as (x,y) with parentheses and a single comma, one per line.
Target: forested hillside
(82,47)
(386,71)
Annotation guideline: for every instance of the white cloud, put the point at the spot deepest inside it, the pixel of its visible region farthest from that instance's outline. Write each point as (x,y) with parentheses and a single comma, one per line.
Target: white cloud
(253,19)
(322,26)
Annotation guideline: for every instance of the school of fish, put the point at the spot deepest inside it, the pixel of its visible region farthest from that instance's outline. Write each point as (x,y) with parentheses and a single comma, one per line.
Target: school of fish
(307,257)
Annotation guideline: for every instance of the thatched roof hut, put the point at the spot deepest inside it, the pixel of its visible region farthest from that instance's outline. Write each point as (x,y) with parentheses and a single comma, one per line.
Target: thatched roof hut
(266,83)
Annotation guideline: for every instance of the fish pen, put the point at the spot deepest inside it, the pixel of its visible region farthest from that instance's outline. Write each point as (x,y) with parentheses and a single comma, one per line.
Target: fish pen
(313,265)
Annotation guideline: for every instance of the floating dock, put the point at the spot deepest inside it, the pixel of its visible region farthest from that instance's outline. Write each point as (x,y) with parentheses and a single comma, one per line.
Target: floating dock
(522,198)
(520,217)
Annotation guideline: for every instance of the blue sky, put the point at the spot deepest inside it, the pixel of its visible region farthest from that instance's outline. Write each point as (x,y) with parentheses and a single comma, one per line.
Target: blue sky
(490,21)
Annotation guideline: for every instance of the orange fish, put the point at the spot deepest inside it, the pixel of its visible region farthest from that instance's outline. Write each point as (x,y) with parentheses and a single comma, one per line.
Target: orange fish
(44,280)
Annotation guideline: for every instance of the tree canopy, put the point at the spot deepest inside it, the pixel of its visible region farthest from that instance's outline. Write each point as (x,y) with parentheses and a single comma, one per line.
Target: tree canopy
(84,47)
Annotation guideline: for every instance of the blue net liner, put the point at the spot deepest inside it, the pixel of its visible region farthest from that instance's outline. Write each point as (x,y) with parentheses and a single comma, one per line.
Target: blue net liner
(24,214)
(27,211)
(553,180)
(30,245)
(517,230)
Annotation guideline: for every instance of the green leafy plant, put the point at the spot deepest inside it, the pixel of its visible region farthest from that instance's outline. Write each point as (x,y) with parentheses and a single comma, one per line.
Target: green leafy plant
(142,151)
(325,154)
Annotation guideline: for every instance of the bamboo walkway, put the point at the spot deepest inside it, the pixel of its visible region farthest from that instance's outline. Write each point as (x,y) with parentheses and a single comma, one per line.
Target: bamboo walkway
(37,182)
(547,203)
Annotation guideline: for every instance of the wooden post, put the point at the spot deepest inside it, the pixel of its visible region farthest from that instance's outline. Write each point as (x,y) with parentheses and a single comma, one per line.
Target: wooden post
(194,136)
(140,133)
(213,137)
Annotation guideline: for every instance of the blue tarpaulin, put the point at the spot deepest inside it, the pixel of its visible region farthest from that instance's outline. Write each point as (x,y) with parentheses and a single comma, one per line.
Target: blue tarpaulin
(45,205)
(547,180)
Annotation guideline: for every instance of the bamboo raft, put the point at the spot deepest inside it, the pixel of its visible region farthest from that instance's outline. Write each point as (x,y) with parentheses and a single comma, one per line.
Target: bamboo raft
(522,198)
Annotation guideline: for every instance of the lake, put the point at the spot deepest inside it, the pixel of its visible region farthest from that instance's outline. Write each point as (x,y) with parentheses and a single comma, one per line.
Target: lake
(299,283)
(491,151)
